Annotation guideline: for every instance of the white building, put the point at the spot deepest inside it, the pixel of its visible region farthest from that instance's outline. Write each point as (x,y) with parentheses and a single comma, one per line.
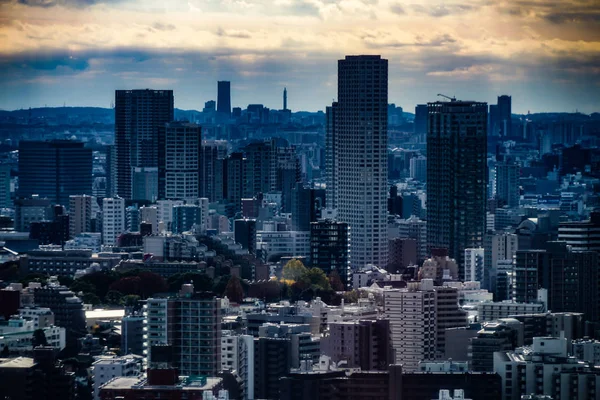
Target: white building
(113,220)
(284,243)
(237,353)
(418,168)
(587,350)
(165,211)
(490,311)
(85,241)
(17,335)
(413,323)
(107,368)
(474,264)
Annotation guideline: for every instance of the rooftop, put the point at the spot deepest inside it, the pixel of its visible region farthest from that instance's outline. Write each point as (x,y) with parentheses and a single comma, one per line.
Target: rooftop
(19,362)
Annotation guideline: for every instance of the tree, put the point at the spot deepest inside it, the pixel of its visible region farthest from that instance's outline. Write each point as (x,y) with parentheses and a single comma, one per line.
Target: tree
(351,296)
(335,281)
(65,280)
(39,338)
(294,270)
(202,282)
(220,284)
(90,298)
(317,278)
(151,284)
(234,290)
(131,300)
(114,297)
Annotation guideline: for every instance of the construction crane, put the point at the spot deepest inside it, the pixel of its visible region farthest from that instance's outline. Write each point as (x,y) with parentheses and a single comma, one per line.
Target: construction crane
(447,97)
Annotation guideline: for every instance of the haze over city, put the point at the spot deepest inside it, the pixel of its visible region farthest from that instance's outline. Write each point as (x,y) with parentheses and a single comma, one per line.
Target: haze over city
(77,52)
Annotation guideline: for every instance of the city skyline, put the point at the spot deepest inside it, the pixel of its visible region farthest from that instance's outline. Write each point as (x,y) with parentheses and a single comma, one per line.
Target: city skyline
(78,52)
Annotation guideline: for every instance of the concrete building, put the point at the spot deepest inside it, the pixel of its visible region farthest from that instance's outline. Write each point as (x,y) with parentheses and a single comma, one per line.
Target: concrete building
(211,177)
(139,115)
(186,218)
(165,212)
(582,236)
(360,156)
(402,253)
(237,354)
(489,311)
(415,228)
(456,177)
(17,334)
(113,220)
(31,210)
(132,335)
(80,214)
(108,368)
(64,262)
(474,265)
(150,215)
(507,183)
(363,344)
(449,315)
(191,324)
(545,369)
(500,335)
(418,168)
(586,350)
(277,244)
(85,241)
(567,325)
(497,247)
(413,323)
(179,162)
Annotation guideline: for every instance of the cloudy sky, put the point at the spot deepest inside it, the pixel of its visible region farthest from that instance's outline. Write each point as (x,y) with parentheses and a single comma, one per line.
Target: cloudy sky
(545,53)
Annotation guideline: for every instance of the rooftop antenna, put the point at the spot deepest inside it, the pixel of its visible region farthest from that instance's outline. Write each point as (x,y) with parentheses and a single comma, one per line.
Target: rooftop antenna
(447,97)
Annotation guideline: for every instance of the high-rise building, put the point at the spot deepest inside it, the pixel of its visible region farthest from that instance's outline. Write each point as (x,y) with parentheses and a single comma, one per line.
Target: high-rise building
(187,217)
(213,155)
(421,120)
(180,147)
(5,201)
(110,170)
(360,156)
(330,248)
(330,142)
(139,114)
(418,168)
(504,120)
(456,177)
(285,99)
(507,184)
(191,324)
(235,172)
(500,335)
(80,214)
(245,234)
(413,323)
(224,97)
(54,170)
(113,219)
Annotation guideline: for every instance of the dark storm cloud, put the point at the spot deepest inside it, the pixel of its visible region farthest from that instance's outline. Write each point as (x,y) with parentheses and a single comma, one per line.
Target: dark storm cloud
(44,61)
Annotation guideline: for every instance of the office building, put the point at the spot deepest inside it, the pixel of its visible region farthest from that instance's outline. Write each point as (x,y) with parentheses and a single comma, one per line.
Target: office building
(402,253)
(330,143)
(237,354)
(224,98)
(211,176)
(54,170)
(235,175)
(418,168)
(583,235)
(113,220)
(139,115)
(360,156)
(80,214)
(415,228)
(498,247)
(507,184)
(363,344)
(330,247)
(474,264)
(500,335)
(489,311)
(449,315)
(179,159)
(186,218)
(567,325)
(5,200)
(456,177)
(504,121)
(245,234)
(421,118)
(191,324)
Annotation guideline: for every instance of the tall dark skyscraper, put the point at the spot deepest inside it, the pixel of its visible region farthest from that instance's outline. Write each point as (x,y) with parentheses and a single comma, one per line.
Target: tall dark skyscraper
(360,156)
(329,154)
(139,115)
(456,177)
(284,99)
(421,119)
(224,97)
(504,115)
(213,155)
(54,170)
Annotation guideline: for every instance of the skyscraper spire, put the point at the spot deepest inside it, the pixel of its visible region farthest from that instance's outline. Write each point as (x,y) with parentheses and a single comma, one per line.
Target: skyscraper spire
(284,99)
